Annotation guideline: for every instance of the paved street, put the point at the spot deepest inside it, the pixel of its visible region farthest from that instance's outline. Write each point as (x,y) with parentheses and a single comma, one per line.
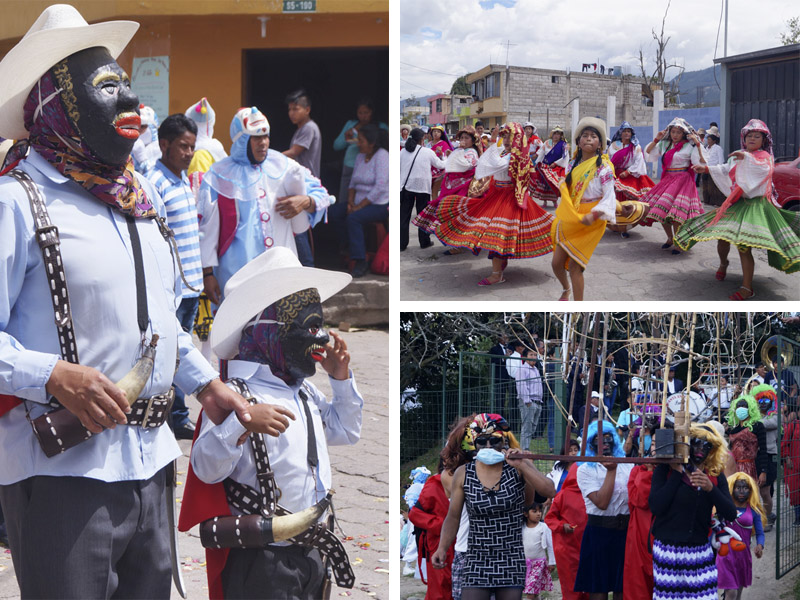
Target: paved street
(360,478)
(620,269)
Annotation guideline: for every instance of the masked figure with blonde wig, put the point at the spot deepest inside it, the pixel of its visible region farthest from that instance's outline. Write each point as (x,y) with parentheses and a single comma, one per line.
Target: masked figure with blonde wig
(503,219)
(735,569)
(494,488)
(750,217)
(682,499)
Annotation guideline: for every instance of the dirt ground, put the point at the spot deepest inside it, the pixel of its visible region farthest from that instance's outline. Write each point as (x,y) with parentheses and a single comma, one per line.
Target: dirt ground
(360,478)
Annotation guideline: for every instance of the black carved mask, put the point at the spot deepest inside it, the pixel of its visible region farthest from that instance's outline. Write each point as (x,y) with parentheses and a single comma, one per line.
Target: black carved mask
(741,491)
(699,450)
(302,337)
(98,98)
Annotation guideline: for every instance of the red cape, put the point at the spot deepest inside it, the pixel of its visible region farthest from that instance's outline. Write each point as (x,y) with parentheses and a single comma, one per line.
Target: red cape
(568,508)
(638,558)
(203,501)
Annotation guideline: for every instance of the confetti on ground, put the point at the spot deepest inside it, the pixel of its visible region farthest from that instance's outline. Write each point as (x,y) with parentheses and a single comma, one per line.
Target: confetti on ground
(345,593)
(381,570)
(380,500)
(358,561)
(383,560)
(380,539)
(364,545)
(348,538)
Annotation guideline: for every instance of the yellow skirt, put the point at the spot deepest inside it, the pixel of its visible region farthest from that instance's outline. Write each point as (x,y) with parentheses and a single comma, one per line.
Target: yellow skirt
(577,239)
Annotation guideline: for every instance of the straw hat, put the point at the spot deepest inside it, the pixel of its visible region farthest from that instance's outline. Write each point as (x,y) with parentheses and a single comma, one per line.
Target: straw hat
(595,123)
(713,130)
(59,32)
(267,278)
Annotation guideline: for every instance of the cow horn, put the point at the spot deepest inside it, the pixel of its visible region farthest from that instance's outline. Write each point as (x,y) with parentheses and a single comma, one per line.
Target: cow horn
(287,526)
(134,381)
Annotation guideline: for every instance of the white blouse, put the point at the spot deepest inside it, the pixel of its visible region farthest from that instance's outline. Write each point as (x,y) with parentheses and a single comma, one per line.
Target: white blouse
(635,164)
(494,163)
(419,178)
(590,479)
(546,147)
(753,175)
(538,542)
(601,188)
(714,155)
(687,155)
(461,160)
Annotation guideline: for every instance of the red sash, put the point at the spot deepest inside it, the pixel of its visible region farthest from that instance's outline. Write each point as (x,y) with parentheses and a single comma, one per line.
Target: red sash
(7,403)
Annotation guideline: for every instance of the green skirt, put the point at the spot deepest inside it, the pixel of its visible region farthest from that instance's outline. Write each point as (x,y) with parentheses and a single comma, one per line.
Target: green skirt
(750,223)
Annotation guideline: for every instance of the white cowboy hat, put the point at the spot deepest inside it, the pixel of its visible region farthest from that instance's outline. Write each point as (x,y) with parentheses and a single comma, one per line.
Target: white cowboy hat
(59,32)
(267,278)
(595,123)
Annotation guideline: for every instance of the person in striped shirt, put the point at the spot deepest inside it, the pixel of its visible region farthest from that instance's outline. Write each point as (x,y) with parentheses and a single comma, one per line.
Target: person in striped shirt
(177,136)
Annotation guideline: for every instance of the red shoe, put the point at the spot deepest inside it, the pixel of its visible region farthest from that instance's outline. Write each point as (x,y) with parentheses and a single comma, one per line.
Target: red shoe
(737,295)
(722,271)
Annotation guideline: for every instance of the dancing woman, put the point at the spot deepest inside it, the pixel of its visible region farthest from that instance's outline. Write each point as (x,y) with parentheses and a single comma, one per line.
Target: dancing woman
(494,488)
(674,199)
(534,141)
(553,159)
(682,498)
(630,169)
(587,204)
(749,218)
(504,220)
(441,145)
(458,173)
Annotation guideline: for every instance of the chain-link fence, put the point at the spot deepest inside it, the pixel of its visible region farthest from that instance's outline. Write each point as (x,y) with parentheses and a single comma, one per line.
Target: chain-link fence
(784,356)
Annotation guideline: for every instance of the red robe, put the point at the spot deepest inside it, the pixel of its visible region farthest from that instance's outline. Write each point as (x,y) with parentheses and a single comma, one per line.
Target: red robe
(638,558)
(790,448)
(428,514)
(203,501)
(568,508)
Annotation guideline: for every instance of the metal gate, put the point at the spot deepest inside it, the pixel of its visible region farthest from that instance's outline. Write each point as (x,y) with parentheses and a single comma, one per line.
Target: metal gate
(785,358)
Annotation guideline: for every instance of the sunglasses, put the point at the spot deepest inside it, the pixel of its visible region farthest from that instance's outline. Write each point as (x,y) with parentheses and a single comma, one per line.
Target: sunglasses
(486,441)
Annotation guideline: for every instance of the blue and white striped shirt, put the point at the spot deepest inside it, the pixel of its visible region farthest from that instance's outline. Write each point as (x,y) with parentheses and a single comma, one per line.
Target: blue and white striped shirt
(182,219)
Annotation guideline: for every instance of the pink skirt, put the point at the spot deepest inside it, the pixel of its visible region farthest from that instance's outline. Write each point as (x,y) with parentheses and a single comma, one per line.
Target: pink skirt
(673,199)
(537,576)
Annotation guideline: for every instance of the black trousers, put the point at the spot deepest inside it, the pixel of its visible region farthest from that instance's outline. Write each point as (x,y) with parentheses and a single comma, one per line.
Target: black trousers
(409,200)
(279,572)
(75,537)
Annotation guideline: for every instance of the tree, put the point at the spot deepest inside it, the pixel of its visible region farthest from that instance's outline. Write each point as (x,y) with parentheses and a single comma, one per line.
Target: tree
(793,35)
(658,79)
(460,86)
(412,100)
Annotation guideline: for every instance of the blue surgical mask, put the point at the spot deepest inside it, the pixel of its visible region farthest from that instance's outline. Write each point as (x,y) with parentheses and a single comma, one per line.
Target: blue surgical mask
(489,456)
(742,413)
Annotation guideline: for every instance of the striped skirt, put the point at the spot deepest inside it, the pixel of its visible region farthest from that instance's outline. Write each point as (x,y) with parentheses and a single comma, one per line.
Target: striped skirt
(673,199)
(684,572)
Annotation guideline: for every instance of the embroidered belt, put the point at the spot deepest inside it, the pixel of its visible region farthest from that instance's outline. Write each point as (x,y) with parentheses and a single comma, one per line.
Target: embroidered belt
(59,430)
(676,170)
(503,183)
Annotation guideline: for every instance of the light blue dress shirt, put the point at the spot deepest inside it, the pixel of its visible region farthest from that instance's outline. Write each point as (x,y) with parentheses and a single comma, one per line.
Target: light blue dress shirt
(99,267)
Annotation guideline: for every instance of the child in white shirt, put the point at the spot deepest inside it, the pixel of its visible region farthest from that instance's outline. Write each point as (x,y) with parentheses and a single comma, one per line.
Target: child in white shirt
(537,541)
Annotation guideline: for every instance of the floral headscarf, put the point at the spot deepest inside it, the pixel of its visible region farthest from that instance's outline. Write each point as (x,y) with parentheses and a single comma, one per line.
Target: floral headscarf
(618,134)
(54,135)
(483,424)
(756,125)
(519,165)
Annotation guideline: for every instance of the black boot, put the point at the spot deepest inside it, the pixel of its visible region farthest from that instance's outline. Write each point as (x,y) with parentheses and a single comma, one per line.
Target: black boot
(360,268)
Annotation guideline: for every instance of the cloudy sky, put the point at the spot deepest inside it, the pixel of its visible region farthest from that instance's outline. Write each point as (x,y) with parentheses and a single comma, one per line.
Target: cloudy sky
(443,39)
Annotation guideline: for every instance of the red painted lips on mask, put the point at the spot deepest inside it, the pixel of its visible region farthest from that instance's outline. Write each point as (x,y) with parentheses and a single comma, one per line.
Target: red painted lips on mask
(127,125)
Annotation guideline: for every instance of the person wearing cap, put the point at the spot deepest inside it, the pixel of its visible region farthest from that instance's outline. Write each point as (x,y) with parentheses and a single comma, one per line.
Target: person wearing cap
(750,217)
(458,173)
(269,333)
(405,129)
(587,203)
(84,500)
(251,201)
(673,200)
(552,159)
(631,182)
(208,149)
(714,156)
(501,220)
(534,141)
(146,149)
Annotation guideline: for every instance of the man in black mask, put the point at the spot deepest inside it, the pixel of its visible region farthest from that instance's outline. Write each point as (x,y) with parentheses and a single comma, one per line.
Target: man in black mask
(269,332)
(87,282)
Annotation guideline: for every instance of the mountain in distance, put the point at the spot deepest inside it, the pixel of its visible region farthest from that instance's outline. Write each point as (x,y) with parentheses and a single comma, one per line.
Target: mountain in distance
(700,83)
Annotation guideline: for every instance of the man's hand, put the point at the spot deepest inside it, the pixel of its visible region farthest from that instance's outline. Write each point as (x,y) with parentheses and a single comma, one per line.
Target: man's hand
(762,479)
(290,206)
(610,466)
(701,480)
(759,550)
(268,418)
(337,358)
(514,460)
(89,395)
(218,400)
(211,288)
(569,528)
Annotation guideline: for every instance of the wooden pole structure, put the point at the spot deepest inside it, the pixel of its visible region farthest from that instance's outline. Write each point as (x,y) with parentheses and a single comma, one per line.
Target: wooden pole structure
(665,370)
(575,380)
(589,386)
(719,374)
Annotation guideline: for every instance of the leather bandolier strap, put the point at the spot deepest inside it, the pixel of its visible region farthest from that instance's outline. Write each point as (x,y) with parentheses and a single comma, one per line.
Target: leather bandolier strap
(264,502)
(59,429)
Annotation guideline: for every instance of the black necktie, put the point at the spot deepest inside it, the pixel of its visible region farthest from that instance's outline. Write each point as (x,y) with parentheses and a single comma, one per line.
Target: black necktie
(313,459)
